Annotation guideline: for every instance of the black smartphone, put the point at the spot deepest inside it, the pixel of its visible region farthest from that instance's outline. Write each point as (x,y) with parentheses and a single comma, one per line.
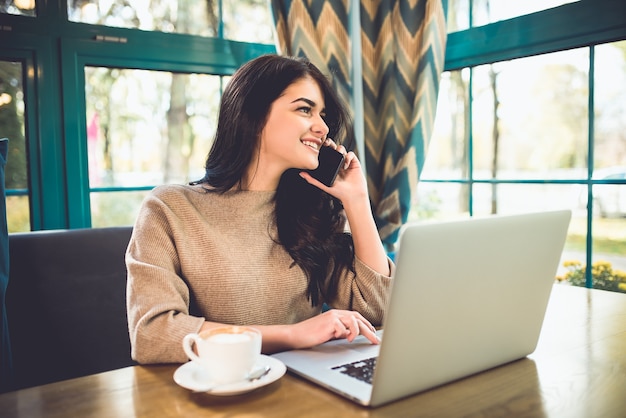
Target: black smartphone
(330,162)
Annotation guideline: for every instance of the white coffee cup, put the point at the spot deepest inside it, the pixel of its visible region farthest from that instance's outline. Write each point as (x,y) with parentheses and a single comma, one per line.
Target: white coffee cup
(228,354)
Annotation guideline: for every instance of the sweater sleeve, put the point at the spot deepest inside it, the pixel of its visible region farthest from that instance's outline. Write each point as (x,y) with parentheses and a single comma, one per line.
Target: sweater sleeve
(157,297)
(366,292)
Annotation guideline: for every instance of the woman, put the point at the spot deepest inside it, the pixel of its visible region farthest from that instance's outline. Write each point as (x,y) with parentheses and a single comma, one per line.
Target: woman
(258,241)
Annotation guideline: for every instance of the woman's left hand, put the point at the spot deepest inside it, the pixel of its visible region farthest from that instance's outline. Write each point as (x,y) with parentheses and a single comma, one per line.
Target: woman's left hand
(350,187)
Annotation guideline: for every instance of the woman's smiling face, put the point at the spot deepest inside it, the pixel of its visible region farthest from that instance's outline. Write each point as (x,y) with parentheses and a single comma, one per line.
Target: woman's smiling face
(295,129)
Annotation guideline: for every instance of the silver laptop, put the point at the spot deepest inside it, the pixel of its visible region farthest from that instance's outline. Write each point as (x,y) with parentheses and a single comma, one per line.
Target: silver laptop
(467,296)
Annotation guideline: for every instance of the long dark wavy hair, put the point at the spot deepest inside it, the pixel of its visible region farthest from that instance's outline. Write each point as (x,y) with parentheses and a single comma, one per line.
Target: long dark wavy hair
(310,222)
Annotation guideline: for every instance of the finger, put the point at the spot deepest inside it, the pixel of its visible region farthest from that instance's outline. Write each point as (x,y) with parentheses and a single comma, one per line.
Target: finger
(340,329)
(349,157)
(313,181)
(369,334)
(330,143)
(364,322)
(353,328)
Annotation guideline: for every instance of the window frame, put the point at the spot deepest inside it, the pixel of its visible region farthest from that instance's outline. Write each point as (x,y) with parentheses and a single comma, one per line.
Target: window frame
(54,52)
(223,58)
(586,23)
(42,133)
(572,25)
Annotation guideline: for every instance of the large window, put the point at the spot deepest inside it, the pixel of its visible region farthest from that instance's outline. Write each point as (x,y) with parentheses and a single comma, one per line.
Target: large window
(103,100)
(542,130)
(144,128)
(136,105)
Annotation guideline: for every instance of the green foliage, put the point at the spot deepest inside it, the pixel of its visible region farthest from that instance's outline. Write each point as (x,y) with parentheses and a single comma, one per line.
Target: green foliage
(11,123)
(18,214)
(602,273)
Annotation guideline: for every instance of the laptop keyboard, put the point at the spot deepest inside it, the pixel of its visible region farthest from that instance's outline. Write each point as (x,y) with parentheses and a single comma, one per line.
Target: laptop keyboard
(362,369)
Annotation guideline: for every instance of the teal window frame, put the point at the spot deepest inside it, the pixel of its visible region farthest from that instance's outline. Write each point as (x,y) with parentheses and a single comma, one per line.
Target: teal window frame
(572,25)
(223,58)
(42,133)
(582,24)
(54,52)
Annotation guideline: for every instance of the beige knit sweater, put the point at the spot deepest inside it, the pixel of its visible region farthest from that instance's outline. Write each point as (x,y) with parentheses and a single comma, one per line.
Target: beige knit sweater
(196,256)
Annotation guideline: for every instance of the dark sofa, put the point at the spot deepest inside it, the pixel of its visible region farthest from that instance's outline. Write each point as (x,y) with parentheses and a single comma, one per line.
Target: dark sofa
(66,304)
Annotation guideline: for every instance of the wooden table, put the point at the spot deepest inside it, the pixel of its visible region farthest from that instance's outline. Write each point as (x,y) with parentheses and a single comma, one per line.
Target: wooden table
(578,370)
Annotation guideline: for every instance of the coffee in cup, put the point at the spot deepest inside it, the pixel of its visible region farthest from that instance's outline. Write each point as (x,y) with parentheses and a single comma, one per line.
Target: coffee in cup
(228,354)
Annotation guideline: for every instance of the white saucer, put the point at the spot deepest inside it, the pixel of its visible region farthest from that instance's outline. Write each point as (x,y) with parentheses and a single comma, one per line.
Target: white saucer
(192,376)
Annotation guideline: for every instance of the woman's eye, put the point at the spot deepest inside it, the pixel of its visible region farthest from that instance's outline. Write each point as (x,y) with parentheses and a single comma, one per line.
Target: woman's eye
(305,109)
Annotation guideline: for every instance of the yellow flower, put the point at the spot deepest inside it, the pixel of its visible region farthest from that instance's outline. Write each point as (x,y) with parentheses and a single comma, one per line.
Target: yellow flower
(571,263)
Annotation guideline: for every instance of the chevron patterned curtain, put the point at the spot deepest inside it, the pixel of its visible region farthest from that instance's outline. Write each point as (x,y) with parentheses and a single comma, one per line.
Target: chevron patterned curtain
(402,45)
(317,30)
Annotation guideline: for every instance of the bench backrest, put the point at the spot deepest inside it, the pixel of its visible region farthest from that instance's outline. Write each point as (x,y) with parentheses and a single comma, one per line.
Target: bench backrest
(66,303)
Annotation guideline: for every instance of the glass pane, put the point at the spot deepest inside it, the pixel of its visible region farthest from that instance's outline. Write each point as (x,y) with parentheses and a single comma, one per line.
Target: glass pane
(609,200)
(440,201)
(574,254)
(248,21)
(447,156)
(489,11)
(458,15)
(530,117)
(12,126)
(18,7)
(193,17)
(609,109)
(18,214)
(243,20)
(609,249)
(146,128)
(520,198)
(115,208)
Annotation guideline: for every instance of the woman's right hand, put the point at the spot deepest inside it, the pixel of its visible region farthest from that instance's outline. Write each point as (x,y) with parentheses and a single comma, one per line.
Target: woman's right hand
(330,325)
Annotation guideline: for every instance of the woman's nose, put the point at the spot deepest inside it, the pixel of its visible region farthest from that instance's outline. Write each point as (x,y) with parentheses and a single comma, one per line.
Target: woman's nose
(319,127)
